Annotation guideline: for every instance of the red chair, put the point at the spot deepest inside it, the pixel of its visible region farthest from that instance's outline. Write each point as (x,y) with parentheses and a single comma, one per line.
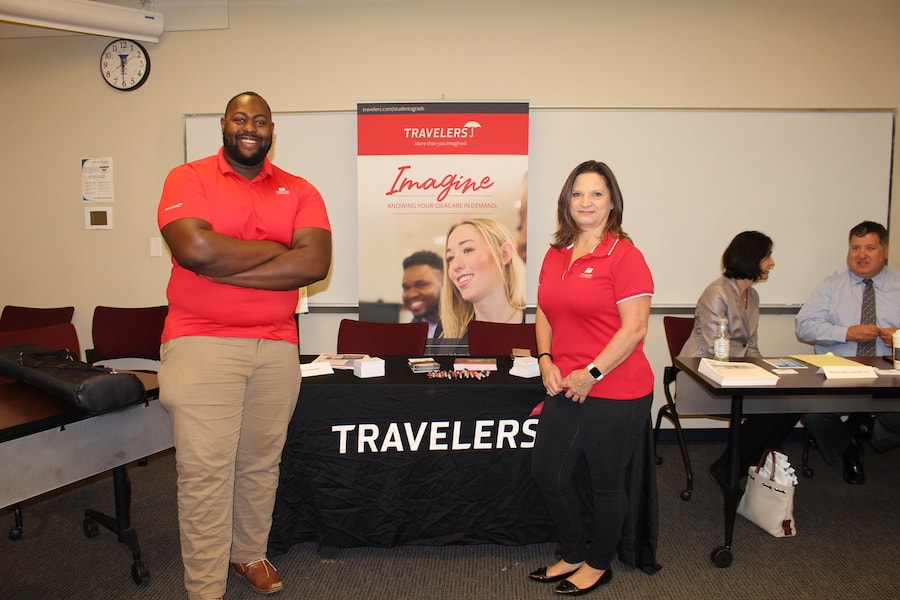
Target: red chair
(54,337)
(126,332)
(498,339)
(25,317)
(678,330)
(381,339)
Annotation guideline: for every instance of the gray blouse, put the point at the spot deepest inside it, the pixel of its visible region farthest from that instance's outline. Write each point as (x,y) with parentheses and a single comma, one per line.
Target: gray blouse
(722,298)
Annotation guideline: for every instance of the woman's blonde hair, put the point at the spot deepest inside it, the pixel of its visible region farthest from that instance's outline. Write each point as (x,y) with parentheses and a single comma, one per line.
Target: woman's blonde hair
(456,312)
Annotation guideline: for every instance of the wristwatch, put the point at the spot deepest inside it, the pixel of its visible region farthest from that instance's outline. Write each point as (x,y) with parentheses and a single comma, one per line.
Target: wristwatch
(594,371)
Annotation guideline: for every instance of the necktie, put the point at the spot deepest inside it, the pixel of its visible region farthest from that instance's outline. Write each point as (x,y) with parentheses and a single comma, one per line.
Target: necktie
(867,317)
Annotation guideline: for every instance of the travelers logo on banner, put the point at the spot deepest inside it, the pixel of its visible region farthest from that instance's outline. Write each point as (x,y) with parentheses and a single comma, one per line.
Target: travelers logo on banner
(442,201)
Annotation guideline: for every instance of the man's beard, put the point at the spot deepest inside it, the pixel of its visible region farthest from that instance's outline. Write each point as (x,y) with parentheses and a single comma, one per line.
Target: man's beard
(248,160)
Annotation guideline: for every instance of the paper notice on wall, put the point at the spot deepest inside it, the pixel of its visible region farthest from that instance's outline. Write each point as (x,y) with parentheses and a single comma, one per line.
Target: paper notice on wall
(97,179)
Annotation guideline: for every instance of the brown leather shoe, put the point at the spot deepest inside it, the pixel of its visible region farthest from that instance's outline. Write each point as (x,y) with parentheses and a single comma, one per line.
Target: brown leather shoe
(260,574)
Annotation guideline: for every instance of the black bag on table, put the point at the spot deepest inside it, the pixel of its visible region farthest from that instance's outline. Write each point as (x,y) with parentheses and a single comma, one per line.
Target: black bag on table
(93,389)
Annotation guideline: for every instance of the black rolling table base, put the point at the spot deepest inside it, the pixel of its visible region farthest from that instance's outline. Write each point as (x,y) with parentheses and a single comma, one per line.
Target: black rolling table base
(120,524)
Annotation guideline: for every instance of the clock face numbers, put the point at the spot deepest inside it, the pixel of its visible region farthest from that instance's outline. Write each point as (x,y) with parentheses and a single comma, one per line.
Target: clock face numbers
(124,65)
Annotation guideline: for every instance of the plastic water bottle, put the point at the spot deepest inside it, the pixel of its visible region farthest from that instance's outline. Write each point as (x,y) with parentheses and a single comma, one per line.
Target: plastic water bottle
(895,338)
(722,341)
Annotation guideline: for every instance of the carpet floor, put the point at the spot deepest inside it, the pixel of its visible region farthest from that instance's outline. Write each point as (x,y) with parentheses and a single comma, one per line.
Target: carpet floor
(847,547)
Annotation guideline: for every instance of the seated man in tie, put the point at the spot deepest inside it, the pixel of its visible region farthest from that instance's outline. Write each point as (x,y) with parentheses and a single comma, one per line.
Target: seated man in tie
(852,313)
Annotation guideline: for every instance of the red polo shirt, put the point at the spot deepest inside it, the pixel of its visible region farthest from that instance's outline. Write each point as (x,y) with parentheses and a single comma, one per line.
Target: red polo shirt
(581,304)
(269,207)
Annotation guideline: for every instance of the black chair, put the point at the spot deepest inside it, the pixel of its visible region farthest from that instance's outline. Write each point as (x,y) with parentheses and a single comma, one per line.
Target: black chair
(808,443)
(498,339)
(381,339)
(53,337)
(126,333)
(678,330)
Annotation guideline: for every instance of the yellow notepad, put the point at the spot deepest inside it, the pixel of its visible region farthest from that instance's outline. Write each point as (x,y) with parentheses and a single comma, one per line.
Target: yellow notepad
(826,360)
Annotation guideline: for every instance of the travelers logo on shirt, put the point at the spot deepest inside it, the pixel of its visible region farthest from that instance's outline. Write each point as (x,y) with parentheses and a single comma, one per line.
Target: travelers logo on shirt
(588,273)
(282,190)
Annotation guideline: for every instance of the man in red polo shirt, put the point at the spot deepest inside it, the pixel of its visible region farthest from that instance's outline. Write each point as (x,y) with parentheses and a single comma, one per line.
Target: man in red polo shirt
(244,236)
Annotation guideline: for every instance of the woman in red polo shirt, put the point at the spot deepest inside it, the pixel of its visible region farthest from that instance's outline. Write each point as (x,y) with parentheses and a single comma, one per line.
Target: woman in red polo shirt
(592,315)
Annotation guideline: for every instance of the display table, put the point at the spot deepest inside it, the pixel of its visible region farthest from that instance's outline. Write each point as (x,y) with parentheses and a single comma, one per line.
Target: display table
(404,459)
(803,392)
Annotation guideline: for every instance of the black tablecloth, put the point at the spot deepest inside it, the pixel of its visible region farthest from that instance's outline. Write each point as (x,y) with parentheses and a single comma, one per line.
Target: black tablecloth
(440,462)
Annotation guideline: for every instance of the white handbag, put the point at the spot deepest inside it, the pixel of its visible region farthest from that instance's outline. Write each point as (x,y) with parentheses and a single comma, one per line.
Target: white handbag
(767,503)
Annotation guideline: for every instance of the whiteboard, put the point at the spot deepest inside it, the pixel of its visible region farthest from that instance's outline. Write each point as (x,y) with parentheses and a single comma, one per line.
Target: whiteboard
(691,179)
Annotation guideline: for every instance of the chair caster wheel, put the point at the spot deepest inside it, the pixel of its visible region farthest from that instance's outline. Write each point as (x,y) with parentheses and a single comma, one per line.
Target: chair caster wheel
(686,495)
(139,572)
(90,528)
(15,533)
(722,557)
(659,460)
(807,472)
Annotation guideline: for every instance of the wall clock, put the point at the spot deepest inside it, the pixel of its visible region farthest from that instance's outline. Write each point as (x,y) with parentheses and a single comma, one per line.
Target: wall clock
(124,65)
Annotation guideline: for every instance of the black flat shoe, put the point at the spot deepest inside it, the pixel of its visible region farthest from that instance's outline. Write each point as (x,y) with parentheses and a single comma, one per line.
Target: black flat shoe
(567,588)
(541,576)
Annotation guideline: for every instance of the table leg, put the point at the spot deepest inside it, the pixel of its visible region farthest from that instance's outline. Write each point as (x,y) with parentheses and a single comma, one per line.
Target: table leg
(120,524)
(722,556)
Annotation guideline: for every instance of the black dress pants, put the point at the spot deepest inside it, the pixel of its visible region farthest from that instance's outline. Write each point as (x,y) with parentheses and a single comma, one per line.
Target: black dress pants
(605,433)
(831,435)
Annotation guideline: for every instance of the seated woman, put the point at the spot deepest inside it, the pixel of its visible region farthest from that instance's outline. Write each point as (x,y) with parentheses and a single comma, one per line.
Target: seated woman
(747,259)
(484,277)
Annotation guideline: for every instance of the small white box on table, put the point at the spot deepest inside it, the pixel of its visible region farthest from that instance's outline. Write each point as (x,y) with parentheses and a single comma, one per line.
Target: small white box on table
(371,366)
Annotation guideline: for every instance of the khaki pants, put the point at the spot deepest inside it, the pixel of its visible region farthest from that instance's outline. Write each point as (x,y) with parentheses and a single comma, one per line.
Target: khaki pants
(230,400)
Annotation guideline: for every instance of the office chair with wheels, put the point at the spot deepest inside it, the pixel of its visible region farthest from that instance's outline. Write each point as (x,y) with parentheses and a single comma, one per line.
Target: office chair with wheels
(26,317)
(678,330)
(127,338)
(126,333)
(382,339)
(808,442)
(498,339)
(54,337)
(860,425)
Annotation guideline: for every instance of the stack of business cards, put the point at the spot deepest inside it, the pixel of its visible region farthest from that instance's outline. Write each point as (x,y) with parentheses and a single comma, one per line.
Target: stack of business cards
(424,365)
(525,366)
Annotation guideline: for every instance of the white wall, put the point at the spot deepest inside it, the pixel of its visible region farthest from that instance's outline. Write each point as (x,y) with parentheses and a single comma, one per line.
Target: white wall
(317,55)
